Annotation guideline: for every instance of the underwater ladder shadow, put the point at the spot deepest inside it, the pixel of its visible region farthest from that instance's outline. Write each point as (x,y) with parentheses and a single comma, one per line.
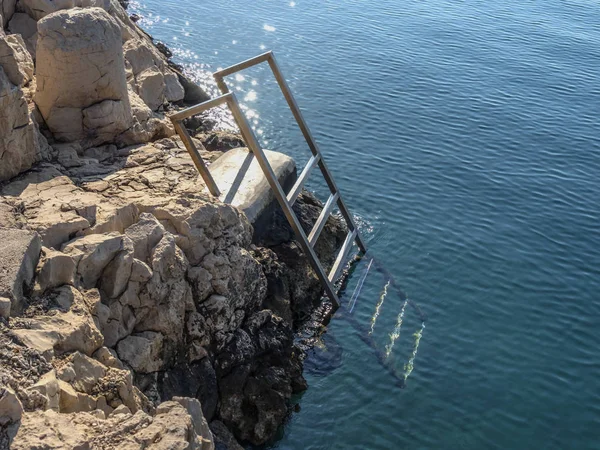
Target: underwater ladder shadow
(366,333)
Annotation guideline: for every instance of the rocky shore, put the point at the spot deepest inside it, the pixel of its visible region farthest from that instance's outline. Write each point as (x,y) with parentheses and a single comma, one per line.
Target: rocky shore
(136,311)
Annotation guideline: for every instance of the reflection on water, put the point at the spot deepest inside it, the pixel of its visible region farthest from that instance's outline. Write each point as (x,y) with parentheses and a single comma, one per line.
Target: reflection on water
(394,335)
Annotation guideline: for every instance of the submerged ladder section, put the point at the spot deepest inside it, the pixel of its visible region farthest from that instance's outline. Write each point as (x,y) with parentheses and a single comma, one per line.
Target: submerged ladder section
(285,200)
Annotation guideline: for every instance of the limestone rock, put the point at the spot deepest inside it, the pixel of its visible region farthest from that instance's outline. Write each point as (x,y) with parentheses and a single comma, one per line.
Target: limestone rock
(54,206)
(81,84)
(55,269)
(93,253)
(171,428)
(63,331)
(16,60)
(118,271)
(142,352)
(243,184)
(194,409)
(167,295)
(147,125)
(145,234)
(19,146)
(150,77)
(17,265)
(11,408)
(24,25)
(108,357)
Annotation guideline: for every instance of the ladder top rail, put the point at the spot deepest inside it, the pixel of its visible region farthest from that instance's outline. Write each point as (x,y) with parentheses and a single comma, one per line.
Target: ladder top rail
(200,108)
(243,65)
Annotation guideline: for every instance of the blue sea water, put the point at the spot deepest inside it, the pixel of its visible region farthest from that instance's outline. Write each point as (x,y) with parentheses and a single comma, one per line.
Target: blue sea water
(465,136)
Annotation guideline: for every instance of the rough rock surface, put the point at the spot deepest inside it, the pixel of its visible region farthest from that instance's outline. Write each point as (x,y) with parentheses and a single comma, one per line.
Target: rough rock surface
(135,309)
(20,146)
(20,254)
(242,181)
(172,427)
(81,84)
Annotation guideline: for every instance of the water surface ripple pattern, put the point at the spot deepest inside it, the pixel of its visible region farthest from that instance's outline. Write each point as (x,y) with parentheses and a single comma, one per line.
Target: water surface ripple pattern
(467,136)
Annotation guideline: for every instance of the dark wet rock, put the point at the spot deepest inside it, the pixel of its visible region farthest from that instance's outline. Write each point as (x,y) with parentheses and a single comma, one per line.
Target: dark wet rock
(278,297)
(223,438)
(221,141)
(163,49)
(196,380)
(258,372)
(292,279)
(194,94)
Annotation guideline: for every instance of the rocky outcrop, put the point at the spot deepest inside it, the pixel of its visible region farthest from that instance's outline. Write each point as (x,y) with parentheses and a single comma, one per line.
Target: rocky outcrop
(171,427)
(20,143)
(135,309)
(81,85)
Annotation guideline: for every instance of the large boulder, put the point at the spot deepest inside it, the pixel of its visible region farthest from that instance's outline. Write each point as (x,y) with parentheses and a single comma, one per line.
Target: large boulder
(243,183)
(81,85)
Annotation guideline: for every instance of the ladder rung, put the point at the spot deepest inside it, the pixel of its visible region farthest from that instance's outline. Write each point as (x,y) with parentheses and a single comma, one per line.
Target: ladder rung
(341,255)
(295,191)
(322,220)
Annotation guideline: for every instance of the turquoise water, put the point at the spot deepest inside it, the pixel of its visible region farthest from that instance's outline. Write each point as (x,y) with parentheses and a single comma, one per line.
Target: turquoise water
(466,138)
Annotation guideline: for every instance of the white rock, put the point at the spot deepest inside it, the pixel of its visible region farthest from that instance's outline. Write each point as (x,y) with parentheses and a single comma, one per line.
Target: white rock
(242,182)
(143,352)
(62,332)
(38,9)
(92,254)
(145,234)
(16,60)
(81,84)
(19,146)
(55,269)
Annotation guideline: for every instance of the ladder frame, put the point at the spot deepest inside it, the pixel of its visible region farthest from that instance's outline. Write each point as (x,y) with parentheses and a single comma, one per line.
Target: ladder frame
(286,201)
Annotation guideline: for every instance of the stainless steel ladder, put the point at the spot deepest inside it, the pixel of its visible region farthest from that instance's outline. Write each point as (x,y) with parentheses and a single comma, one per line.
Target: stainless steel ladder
(286,201)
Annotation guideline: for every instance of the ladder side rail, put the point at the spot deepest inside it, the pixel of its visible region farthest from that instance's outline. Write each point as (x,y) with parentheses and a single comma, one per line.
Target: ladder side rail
(252,143)
(287,93)
(341,257)
(189,143)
